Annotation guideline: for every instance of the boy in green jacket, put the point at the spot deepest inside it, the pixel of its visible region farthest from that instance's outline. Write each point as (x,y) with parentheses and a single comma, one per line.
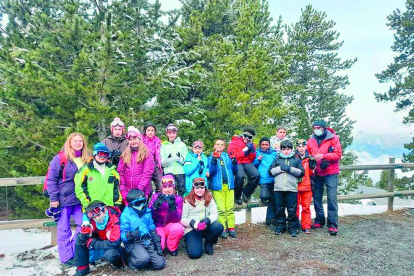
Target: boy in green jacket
(173,153)
(98,179)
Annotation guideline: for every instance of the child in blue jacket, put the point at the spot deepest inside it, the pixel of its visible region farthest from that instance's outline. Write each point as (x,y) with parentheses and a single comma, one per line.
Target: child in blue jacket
(222,170)
(142,243)
(195,166)
(264,158)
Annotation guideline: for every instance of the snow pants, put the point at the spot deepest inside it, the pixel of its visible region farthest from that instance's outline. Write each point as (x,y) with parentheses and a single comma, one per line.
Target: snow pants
(252,180)
(289,201)
(304,201)
(171,235)
(180,184)
(65,240)
(271,211)
(194,239)
(84,256)
(156,178)
(141,255)
(331,183)
(225,206)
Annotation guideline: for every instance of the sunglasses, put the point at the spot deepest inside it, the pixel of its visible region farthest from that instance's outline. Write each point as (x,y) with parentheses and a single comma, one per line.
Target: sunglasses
(139,202)
(247,136)
(199,185)
(103,154)
(95,212)
(168,183)
(301,143)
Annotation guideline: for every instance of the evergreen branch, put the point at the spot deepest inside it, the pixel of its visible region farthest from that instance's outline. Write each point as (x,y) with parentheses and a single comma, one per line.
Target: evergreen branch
(34,143)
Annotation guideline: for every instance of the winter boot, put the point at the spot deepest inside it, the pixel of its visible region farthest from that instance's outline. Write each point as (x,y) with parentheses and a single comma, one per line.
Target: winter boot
(245,198)
(82,272)
(316,226)
(208,247)
(224,234)
(333,231)
(239,201)
(232,233)
(294,233)
(173,253)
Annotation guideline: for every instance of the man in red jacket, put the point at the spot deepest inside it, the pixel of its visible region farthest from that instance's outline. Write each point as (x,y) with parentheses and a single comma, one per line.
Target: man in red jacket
(325,147)
(244,150)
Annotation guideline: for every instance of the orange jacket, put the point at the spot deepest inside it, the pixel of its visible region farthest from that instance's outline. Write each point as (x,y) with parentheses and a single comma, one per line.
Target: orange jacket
(305,184)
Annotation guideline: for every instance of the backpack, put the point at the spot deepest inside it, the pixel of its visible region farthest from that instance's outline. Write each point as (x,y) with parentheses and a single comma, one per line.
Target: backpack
(63,161)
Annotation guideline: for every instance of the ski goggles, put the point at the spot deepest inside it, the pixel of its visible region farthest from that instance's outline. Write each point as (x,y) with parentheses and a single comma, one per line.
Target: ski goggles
(199,185)
(198,144)
(139,203)
(131,134)
(301,143)
(103,154)
(96,211)
(171,130)
(248,136)
(168,183)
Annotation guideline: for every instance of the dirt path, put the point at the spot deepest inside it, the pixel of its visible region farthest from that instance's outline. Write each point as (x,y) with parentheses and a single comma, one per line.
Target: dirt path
(379,244)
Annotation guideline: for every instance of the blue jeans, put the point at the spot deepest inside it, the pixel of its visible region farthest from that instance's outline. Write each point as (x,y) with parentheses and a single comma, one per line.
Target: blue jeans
(331,182)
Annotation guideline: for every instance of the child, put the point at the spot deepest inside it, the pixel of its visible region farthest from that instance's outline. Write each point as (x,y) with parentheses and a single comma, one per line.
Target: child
(221,183)
(153,143)
(195,165)
(98,179)
(173,154)
(264,158)
(304,187)
(116,142)
(142,243)
(167,208)
(275,140)
(286,169)
(136,165)
(199,220)
(99,237)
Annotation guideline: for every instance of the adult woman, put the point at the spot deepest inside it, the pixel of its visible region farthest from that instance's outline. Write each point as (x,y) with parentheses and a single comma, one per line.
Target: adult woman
(136,165)
(167,208)
(61,189)
(199,219)
(153,143)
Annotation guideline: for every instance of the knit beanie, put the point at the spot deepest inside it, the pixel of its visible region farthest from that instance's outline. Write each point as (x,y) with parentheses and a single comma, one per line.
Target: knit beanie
(117,122)
(132,132)
(171,127)
(321,123)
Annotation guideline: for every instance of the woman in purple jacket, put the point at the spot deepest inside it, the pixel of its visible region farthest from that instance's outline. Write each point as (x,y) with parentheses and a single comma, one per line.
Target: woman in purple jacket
(153,143)
(167,208)
(136,165)
(61,189)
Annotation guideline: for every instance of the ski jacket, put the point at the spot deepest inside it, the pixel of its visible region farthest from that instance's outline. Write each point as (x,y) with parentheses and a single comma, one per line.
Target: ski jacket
(236,147)
(216,172)
(306,183)
(115,143)
(286,181)
(62,188)
(136,175)
(197,213)
(194,168)
(91,185)
(130,221)
(163,216)
(110,237)
(331,150)
(154,145)
(169,156)
(264,165)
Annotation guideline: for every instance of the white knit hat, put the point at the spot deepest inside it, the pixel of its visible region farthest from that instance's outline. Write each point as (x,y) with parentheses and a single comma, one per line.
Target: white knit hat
(133,131)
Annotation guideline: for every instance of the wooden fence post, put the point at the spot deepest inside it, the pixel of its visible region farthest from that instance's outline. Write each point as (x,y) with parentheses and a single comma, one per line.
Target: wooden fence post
(391,178)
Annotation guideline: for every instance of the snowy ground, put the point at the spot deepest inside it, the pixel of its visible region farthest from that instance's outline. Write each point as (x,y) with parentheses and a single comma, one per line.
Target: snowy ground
(27,252)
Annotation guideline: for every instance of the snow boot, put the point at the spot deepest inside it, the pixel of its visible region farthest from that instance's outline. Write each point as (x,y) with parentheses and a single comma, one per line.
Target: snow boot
(333,231)
(208,247)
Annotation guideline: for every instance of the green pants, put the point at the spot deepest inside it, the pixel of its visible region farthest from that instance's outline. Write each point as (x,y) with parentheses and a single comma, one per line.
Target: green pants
(225,205)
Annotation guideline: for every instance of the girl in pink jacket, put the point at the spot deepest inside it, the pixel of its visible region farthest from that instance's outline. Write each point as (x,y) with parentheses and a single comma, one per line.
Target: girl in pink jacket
(136,165)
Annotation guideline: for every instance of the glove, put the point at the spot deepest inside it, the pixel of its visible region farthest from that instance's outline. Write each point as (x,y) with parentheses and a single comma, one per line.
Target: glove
(156,241)
(233,158)
(324,164)
(192,222)
(171,203)
(86,229)
(312,163)
(116,153)
(250,146)
(201,226)
(201,168)
(133,235)
(207,221)
(158,202)
(284,167)
(179,158)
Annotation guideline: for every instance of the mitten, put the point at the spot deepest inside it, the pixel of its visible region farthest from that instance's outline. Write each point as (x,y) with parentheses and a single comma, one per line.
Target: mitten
(312,163)
(171,203)
(201,226)
(250,146)
(86,229)
(156,242)
(284,167)
(158,202)
(207,221)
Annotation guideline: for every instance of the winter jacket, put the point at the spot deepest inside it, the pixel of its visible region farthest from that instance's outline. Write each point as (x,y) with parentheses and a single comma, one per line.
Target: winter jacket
(198,213)
(215,181)
(275,142)
(136,175)
(90,185)
(171,163)
(62,188)
(154,145)
(163,216)
(116,143)
(130,221)
(110,237)
(305,184)
(193,167)
(236,147)
(286,181)
(264,165)
(331,150)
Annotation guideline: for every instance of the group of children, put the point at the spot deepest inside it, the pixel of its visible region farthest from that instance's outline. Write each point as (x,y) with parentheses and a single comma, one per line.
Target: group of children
(112,199)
